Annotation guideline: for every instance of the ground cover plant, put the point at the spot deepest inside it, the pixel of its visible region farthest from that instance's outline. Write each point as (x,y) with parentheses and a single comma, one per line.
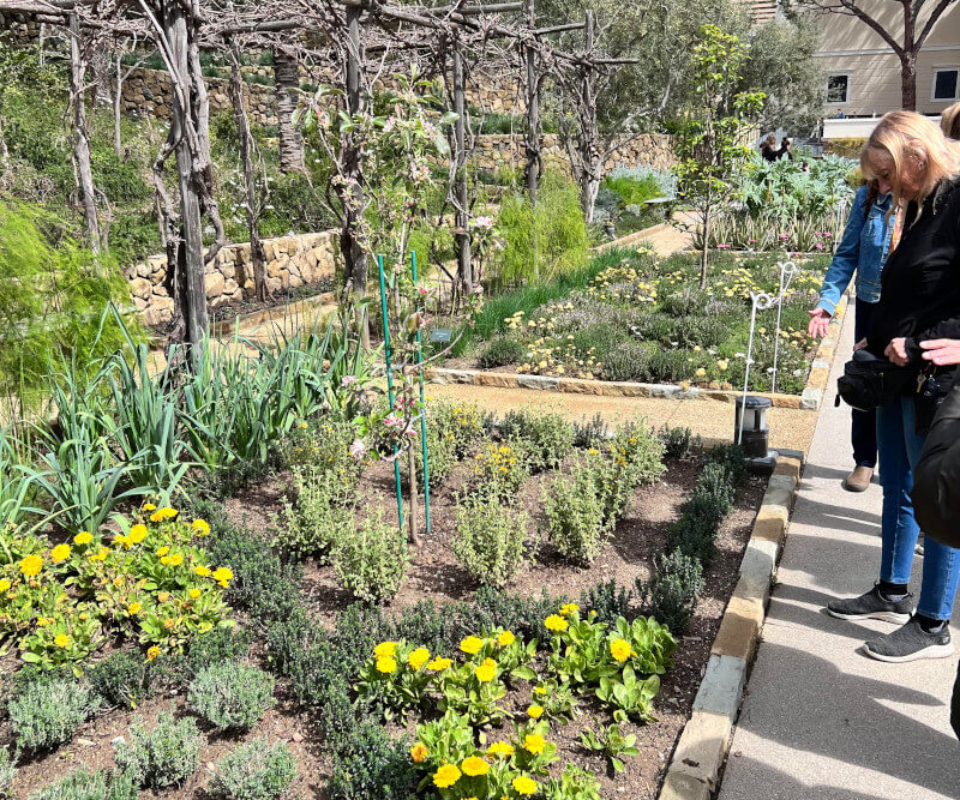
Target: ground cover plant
(643,318)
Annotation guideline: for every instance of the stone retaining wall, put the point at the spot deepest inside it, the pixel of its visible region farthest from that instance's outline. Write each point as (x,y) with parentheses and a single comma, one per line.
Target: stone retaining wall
(292,261)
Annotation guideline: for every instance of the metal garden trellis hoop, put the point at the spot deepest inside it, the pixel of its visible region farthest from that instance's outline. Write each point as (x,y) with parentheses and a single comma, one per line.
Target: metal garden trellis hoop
(761,301)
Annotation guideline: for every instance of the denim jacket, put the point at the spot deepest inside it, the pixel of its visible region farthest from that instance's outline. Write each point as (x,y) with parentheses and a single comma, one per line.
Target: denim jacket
(863,249)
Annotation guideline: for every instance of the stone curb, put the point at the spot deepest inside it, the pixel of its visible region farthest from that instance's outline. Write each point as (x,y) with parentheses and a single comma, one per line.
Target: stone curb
(701,751)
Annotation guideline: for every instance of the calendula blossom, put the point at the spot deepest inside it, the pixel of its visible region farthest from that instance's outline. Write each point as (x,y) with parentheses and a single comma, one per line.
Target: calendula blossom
(387,665)
(152,653)
(5,586)
(201,527)
(82,538)
(556,623)
(163,596)
(177,559)
(419,752)
(439,664)
(502,749)
(385,649)
(202,571)
(223,576)
(620,649)
(535,712)
(418,658)
(138,533)
(195,593)
(474,767)
(134,608)
(471,645)
(446,776)
(31,565)
(149,507)
(62,641)
(506,639)
(487,671)
(534,743)
(524,785)
(60,553)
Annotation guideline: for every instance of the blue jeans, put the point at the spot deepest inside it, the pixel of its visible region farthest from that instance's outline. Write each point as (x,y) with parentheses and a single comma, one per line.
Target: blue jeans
(864,425)
(899,446)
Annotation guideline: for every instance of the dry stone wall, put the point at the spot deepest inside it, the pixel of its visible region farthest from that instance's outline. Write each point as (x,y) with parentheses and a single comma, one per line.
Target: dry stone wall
(292,261)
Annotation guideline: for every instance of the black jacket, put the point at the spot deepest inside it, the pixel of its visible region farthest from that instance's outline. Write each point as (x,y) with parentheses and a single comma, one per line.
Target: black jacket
(920,283)
(936,479)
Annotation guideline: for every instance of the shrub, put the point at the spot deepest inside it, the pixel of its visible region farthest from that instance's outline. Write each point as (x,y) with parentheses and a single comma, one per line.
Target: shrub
(371,563)
(370,766)
(609,601)
(7,773)
(254,771)
(45,715)
(641,450)
(315,521)
(628,362)
(677,441)
(731,458)
(501,470)
(82,785)
(222,644)
(573,784)
(700,516)
(231,696)
(590,434)
(501,351)
(574,511)
(166,756)
(489,540)
(546,438)
(122,679)
(672,593)
(324,445)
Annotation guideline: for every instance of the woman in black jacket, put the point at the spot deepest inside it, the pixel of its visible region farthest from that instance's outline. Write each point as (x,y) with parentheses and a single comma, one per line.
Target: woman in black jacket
(919,300)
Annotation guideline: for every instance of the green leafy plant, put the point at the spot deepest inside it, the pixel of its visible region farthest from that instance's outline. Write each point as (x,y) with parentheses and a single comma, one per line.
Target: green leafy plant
(677,442)
(576,518)
(318,517)
(573,784)
(546,438)
(370,766)
(122,679)
(396,678)
(231,696)
(672,592)
(372,562)
(490,538)
(164,757)
(607,601)
(630,695)
(81,785)
(254,771)
(612,742)
(500,352)
(7,773)
(501,470)
(447,740)
(45,715)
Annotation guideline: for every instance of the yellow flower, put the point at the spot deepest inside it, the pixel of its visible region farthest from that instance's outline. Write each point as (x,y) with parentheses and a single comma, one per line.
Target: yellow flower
(223,576)
(471,645)
(418,657)
(177,559)
(169,624)
(386,665)
(166,561)
(503,749)
(555,623)
(138,533)
(152,653)
(385,649)
(31,565)
(119,539)
(568,609)
(701,372)
(62,641)
(163,596)
(535,712)
(439,664)
(202,571)
(506,639)
(60,553)
(541,690)
(118,581)
(201,527)
(83,538)
(620,649)
(195,593)
(474,767)
(487,671)
(524,785)
(5,586)
(723,364)
(162,551)
(163,513)
(134,608)
(100,555)
(446,776)
(534,743)
(42,622)
(149,507)
(419,752)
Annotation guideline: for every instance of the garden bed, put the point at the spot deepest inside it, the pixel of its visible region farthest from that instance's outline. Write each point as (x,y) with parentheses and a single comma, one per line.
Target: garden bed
(435,574)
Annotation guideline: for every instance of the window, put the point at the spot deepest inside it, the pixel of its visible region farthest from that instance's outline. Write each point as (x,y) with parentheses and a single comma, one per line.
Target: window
(838,89)
(945,83)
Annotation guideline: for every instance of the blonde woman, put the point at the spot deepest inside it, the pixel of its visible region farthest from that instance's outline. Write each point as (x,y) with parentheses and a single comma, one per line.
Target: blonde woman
(950,121)
(909,156)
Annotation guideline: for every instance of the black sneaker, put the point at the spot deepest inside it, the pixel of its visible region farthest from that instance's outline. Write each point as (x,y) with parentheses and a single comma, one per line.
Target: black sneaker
(909,643)
(872,605)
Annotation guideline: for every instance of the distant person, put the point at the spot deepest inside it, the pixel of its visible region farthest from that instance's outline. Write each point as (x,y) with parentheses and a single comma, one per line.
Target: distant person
(805,166)
(784,152)
(950,122)
(768,148)
(840,114)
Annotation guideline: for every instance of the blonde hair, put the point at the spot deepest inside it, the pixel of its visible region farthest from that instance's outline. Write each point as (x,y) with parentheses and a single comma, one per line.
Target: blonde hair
(905,136)
(950,121)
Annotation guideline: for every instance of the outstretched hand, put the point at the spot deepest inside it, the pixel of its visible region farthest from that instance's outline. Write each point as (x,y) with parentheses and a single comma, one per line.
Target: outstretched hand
(819,322)
(942,352)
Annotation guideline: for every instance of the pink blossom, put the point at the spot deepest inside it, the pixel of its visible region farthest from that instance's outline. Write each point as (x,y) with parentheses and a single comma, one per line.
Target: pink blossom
(358,449)
(478,289)
(482,222)
(818,246)
(423,290)
(723,247)
(348,380)
(392,420)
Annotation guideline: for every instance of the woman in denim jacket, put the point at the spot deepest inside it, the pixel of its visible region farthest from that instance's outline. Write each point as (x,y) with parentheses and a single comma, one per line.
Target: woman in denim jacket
(863,250)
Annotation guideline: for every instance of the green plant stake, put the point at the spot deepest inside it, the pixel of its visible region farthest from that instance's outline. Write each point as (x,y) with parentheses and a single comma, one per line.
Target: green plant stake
(423,408)
(386,349)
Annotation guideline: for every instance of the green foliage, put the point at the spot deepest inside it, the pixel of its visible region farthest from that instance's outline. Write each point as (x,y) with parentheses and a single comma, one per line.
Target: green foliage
(81,785)
(573,784)
(608,601)
(215,647)
(45,715)
(164,757)
(490,538)
(501,470)
(671,594)
(612,742)
(254,771)
(632,191)
(122,679)
(231,696)
(500,352)
(318,518)
(591,433)
(542,241)
(371,563)
(370,766)
(577,524)
(7,773)
(677,441)
(545,438)
(693,534)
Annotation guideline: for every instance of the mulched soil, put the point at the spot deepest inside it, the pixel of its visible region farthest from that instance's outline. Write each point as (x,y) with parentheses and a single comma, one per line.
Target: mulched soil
(626,557)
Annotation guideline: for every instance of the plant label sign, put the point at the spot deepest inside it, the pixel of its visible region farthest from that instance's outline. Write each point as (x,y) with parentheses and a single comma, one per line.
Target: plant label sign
(441,335)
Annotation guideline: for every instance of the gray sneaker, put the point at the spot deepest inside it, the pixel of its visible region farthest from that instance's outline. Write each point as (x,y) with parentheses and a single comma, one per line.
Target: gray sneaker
(872,605)
(910,643)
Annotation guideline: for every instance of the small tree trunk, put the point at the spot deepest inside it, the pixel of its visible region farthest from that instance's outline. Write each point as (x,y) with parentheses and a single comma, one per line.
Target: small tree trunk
(117,101)
(286,72)
(257,255)
(81,141)
(908,81)
(705,246)
(413,534)
(464,267)
(533,111)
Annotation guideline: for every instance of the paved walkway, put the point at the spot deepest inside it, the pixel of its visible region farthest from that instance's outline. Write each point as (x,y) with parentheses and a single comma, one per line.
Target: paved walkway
(821,721)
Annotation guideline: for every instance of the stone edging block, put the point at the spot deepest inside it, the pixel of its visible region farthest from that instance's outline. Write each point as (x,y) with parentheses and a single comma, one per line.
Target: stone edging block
(695,768)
